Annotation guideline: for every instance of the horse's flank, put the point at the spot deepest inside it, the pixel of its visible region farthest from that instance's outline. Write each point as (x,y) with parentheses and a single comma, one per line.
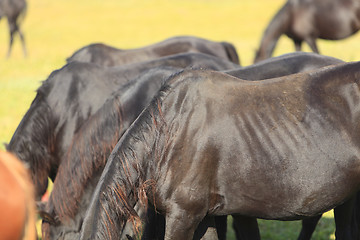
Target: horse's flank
(173,139)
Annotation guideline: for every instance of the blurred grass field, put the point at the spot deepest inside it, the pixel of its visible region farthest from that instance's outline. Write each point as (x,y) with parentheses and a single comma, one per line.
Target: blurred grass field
(55,29)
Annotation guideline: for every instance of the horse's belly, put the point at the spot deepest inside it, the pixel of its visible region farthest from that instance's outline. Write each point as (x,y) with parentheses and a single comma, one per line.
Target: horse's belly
(291,193)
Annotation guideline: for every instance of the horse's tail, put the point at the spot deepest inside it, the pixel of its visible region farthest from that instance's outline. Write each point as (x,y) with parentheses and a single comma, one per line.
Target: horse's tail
(125,179)
(272,33)
(231,52)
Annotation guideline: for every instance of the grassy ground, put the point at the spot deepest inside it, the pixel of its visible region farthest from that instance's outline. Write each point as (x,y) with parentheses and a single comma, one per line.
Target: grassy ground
(55,29)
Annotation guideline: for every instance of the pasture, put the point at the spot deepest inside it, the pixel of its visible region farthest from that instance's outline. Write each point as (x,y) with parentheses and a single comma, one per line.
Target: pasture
(55,29)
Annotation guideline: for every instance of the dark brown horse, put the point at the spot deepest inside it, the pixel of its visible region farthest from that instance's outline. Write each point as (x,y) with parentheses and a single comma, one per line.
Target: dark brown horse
(92,144)
(211,144)
(69,199)
(17,204)
(304,20)
(80,171)
(14,11)
(109,56)
(69,97)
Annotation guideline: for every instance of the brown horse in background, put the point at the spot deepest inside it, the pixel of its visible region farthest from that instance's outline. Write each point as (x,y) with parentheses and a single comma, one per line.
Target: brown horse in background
(13,10)
(304,20)
(108,56)
(17,205)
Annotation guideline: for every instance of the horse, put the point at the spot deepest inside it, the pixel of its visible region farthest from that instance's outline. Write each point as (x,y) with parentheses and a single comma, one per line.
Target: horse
(303,20)
(14,11)
(78,174)
(17,219)
(46,131)
(212,144)
(105,55)
(97,137)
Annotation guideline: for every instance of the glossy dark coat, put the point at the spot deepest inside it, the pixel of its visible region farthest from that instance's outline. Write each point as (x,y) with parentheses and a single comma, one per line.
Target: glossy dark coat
(69,97)
(14,11)
(92,144)
(304,20)
(105,55)
(69,199)
(286,148)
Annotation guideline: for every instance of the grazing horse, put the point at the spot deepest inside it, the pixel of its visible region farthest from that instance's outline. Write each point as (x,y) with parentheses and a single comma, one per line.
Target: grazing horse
(109,56)
(70,196)
(94,141)
(304,20)
(212,144)
(69,97)
(13,10)
(17,205)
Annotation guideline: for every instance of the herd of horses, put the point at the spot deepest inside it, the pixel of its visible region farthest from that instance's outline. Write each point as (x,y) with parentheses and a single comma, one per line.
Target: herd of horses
(166,141)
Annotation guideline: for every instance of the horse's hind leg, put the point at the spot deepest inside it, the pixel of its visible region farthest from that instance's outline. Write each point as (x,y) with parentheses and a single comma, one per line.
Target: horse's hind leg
(22,38)
(343,216)
(206,230)
(308,227)
(221,227)
(13,28)
(246,228)
(297,44)
(312,43)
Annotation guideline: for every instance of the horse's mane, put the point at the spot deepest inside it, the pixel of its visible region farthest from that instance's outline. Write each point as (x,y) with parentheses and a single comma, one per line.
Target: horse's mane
(113,196)
(34,140)
(86,155)
(21,175)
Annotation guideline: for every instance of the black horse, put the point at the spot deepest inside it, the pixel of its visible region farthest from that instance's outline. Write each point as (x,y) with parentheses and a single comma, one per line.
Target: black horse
(69,97)
(14,10)
(69,199)
(79,172)
(211,144)
(109,56)
(303,20)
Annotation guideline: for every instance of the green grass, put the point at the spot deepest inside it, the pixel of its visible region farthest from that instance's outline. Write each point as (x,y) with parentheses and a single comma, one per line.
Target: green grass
(55,29)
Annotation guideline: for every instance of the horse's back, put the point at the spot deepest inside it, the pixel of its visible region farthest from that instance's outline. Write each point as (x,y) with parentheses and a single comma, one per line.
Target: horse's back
(109,56)
(269,132)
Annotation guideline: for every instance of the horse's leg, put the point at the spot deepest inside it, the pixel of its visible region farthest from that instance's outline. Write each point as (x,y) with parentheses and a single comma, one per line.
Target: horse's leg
(22,38)
(206,230)
(297,44)
(308,227)
(155,228)
(343,214)
(246,228)
(355,220)
(312,43)
(12,30)
(221,226)
(154,225)
(181,224)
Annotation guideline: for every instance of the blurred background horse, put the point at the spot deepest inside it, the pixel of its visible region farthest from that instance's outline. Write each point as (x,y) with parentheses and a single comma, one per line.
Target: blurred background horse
(304,20)
(14,11)
(17,205)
